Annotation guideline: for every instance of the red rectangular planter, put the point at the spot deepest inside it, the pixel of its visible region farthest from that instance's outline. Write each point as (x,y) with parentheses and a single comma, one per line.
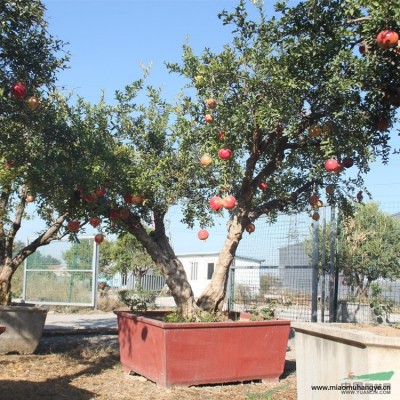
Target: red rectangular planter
(185,354)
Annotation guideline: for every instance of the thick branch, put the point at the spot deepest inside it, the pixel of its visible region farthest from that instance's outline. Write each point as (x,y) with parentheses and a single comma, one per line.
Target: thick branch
(253,158)
(19,212)
(45,238)
(149,241)
(270,168)
(158,247)
(4,199)
(159,226)
(282,202)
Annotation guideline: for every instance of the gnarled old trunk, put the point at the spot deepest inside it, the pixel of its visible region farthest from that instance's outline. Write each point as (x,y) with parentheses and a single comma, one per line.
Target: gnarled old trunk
(213,296)
(177,281)
(158,246)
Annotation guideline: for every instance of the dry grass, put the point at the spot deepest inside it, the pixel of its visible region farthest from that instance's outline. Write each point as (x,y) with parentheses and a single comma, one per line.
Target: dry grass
(109,301)
(91,370)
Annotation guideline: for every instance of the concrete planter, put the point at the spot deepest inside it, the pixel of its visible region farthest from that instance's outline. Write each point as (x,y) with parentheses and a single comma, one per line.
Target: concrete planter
(185,354)
(24,327)
(333,356)
(360,313)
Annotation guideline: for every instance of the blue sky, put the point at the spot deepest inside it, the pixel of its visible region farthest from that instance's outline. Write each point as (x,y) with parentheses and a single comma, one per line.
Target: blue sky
(110,39)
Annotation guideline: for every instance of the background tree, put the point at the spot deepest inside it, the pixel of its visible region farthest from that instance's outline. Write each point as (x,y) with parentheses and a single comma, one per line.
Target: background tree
(105,260)
(29,60)
(126,255)
(369,248)
(39,260)
(79,256)
(50,150)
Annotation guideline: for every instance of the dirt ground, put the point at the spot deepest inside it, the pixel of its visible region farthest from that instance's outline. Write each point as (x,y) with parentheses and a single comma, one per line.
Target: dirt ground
(382,330)
(88,367)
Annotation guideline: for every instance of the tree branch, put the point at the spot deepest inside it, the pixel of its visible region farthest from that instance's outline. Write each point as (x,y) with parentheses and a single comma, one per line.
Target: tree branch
(19,212)
(253,158)
(358,20)
(278,157)
(280,203)
(4,198)
(45,238)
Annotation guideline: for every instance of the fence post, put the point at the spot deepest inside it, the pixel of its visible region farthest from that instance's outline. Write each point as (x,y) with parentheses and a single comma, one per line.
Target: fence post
(337,253)
(314,296)
(231,288)
(95,266)
(323,264)
(332,303)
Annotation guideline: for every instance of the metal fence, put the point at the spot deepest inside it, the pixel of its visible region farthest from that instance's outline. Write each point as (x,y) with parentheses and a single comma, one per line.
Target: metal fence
(302,278)
(288,291)
(148,282)
(62,273)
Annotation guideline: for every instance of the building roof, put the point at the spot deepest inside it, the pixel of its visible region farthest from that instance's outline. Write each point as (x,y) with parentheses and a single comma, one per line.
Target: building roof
(216,254)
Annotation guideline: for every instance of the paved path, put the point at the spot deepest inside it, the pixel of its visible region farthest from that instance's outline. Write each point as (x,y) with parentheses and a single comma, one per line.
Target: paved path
(93,321)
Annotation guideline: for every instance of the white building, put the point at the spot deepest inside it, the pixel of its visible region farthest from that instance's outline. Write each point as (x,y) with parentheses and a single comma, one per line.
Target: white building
(199,268)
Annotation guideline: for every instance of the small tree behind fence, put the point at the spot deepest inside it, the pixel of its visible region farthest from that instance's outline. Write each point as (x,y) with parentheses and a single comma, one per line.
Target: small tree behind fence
(62,273)
(310,274)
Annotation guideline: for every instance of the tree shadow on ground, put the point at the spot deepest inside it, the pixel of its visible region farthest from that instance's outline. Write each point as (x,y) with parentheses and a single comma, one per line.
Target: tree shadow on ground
(54,389)
(59,387)
(61,344)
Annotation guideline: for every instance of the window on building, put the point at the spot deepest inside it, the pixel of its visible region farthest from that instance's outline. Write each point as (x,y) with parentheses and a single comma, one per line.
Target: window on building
(194,266)
(210,270)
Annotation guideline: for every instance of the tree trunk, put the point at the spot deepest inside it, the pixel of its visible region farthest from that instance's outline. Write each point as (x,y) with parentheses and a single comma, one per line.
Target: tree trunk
(362,290)
(6,273)
(177,281)
(159,248)
(139,274)
(212,298)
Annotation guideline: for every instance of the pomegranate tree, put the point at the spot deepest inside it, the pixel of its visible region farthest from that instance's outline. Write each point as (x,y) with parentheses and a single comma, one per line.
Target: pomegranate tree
(275,83)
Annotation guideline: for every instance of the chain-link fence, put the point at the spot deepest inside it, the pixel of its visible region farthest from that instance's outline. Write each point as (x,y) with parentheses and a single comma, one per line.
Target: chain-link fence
(284,292)
(330,270)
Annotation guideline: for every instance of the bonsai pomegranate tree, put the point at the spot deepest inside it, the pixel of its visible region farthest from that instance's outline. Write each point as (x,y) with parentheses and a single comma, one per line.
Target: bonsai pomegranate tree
(289,93)
(253,131)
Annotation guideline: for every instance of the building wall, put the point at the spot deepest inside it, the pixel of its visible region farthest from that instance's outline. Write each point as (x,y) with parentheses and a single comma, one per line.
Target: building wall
(199,269)
(196,267)
(200,281)
(294,255)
